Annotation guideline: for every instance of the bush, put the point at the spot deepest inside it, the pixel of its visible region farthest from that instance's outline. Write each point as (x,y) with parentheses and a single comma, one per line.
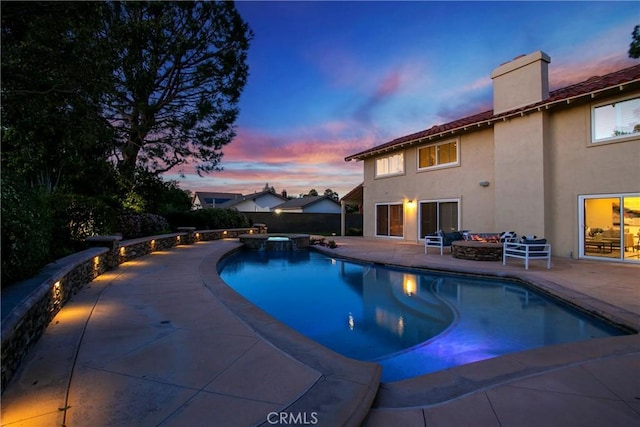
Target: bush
(153,224)
(129,225)
(132,225)
(353,231)
(76,217)
(26,231)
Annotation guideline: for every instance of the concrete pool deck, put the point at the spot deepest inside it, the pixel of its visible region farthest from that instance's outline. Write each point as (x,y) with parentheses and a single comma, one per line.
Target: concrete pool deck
(162,341)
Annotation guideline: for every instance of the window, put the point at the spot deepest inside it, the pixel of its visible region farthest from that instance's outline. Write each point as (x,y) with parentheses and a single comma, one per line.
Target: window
(438,215)
(390,165)
(390,220)
(442,154)
(616,120)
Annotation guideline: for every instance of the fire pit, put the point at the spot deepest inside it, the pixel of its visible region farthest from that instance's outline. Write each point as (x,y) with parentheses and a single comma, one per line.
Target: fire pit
(479,247)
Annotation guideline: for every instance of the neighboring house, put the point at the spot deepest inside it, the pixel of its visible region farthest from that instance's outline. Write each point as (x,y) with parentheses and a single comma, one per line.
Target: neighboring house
(309,204)
(203,199)
(561,165)
(263,201)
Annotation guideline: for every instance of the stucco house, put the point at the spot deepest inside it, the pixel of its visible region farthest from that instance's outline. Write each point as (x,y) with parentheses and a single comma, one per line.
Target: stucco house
(563,165)
(263,201)
(309,204)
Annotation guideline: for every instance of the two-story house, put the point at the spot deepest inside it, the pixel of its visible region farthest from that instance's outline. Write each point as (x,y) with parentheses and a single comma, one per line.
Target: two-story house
(563,165)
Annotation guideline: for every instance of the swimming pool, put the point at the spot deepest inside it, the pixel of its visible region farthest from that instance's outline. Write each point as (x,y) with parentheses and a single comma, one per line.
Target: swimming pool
(409,322)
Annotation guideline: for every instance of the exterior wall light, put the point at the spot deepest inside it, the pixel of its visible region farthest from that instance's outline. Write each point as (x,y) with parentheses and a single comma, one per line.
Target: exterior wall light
(484,183)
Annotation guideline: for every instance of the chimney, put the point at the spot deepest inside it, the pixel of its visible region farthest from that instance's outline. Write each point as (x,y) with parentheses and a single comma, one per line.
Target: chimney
(284,193)
(520,82)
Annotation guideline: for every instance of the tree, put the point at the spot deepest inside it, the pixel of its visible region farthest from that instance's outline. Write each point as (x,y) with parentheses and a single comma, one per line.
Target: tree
(150,194)
(269,188)
(634,47)
(181,69)
(312,192)
(55,69)
(330,193)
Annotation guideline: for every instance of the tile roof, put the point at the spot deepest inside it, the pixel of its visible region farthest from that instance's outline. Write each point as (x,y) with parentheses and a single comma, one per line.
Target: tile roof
(590,86)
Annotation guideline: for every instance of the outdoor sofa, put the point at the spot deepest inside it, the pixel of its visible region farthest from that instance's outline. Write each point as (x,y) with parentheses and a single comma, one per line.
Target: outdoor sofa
(442,239)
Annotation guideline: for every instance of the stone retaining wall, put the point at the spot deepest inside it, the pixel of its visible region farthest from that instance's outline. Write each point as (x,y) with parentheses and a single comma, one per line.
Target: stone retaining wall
(28,307)
(39,299)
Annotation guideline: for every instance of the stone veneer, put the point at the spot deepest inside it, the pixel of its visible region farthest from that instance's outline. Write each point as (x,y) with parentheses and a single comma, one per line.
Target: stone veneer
(277,242)
(36,301)
(476,251)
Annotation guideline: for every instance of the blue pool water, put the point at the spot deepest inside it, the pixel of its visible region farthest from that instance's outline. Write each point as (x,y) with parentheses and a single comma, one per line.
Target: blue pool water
(410,322)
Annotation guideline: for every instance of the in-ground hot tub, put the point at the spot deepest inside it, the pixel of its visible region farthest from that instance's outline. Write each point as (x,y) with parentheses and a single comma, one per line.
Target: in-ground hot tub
(275,242)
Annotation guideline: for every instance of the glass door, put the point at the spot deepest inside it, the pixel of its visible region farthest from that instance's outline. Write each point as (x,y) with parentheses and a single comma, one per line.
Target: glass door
(438,215)
(611,227)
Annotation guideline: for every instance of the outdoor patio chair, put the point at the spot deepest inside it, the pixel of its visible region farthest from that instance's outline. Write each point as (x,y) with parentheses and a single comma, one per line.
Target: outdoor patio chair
(527,250)
(508,236)
(441,240)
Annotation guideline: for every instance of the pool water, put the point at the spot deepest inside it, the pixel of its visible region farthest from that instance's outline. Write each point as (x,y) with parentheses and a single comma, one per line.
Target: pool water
(409,322)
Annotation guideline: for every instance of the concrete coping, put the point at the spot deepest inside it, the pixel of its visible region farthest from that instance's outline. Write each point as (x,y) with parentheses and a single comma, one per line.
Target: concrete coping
(346,389)
(130,242)
(102,239)
(18,299)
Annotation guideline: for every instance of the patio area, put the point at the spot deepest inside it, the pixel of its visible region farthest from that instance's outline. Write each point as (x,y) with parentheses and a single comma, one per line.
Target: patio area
(163,341)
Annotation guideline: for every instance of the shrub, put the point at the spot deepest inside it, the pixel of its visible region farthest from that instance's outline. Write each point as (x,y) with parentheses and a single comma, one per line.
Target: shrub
(132,225)
(76,217)
(209,219)
(129,225)
(26,231)
(353,231)
(152,224)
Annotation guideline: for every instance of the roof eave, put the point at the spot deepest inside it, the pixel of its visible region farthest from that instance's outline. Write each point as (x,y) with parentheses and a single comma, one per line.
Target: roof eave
(543,105)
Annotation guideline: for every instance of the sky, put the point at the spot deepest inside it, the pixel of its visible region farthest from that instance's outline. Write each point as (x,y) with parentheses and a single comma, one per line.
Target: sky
(330,79)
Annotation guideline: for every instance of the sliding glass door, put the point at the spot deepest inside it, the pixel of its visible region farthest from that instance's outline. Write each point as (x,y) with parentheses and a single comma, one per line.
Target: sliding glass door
(438,215)
(610,227)
(390,220)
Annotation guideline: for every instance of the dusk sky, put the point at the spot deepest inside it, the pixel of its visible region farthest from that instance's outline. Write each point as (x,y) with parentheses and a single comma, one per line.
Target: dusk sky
(330,79)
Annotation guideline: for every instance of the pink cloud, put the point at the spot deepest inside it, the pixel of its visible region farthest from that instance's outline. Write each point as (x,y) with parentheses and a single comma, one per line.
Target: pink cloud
(389,85)
(324,144)
(568,73)
(304,159)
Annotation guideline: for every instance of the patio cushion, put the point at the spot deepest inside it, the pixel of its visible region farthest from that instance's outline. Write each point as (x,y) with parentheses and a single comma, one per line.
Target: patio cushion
(452,237)
(534,242)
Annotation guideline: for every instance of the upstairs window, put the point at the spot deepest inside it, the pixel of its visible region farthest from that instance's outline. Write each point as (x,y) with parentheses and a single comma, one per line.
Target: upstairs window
(438,155)
(616,120)
(390,165)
